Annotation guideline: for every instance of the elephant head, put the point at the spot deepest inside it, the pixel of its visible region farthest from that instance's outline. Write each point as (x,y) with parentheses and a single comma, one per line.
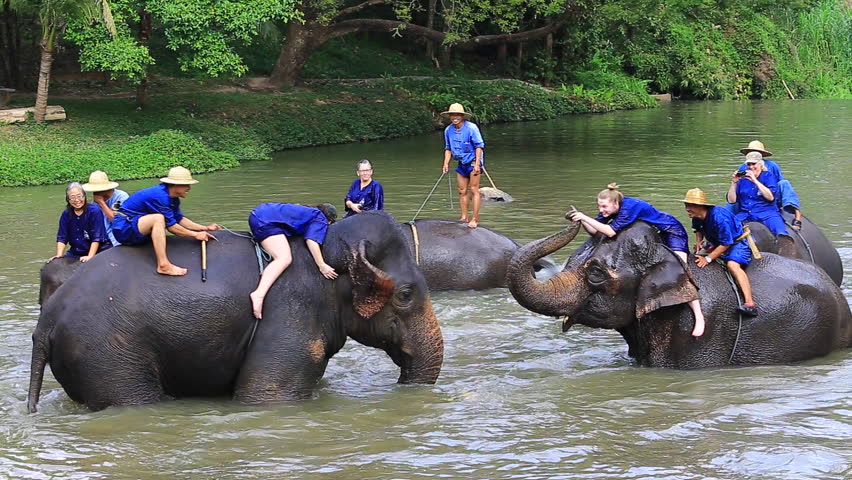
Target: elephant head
(607,283)
(393,311)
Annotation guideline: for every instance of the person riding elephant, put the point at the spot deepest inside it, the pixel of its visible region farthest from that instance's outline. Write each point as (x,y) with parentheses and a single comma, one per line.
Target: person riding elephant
(635,285)
(151,337)
(753,191)
(787,198)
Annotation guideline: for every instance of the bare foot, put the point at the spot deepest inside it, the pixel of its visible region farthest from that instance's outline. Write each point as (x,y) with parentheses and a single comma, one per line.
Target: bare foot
(256,305)
(172,270)
(698,330)
(473,223)
(463,219)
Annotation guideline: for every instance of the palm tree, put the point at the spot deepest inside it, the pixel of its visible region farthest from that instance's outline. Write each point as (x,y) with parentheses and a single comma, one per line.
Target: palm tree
(53,16)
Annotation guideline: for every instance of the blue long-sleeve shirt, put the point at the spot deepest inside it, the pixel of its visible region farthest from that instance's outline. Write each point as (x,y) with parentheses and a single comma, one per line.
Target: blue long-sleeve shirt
(462,142)
(79,231)
(371,197)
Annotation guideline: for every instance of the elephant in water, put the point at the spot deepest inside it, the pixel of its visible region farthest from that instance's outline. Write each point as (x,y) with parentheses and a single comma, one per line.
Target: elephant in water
(808,244)
(634,284)
(117,333)
(456,257)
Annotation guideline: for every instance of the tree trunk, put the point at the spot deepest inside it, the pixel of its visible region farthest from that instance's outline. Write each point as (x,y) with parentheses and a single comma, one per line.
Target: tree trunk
(143,37)
(446,56)
(520,58)
(10,41)
(301,41)
(548,52)
(430,23)
(502,55)
(43,80)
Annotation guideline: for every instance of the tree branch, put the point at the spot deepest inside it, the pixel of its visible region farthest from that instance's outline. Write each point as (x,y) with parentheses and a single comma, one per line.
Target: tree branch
(358,8)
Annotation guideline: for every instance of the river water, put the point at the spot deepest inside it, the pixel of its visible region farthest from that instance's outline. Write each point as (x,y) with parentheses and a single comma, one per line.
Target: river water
(516,398)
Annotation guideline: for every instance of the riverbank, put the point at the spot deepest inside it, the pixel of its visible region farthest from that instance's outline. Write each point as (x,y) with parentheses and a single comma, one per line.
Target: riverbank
(208,130)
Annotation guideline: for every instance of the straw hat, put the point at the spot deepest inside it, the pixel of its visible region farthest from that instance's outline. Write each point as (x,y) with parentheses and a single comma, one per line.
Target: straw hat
(456,108)
(99,182)
(756,146)
(696,196)
(179,176)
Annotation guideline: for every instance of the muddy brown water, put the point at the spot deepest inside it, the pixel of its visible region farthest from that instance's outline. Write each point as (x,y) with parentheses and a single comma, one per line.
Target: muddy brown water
(517,398)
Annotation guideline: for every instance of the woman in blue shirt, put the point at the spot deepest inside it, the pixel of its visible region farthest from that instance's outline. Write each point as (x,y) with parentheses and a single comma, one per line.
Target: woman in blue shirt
(365,193)
(617,212)
(81,226)
(271,224)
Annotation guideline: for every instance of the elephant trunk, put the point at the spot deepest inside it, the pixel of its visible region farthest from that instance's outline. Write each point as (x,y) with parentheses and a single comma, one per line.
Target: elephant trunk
(559,295)
(424,350)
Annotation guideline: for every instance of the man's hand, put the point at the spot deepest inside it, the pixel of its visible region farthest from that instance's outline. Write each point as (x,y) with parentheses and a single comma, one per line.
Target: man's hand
(85,258)
(98,198)
(701,261)
(213,227)
(446,167)
(476,169)
(796,224)
(202,236)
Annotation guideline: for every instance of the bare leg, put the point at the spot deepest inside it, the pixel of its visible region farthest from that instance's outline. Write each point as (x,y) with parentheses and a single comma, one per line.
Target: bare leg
(279,248)
(461,183)
(695,306)
(154,224)
(742,280)
(477,200)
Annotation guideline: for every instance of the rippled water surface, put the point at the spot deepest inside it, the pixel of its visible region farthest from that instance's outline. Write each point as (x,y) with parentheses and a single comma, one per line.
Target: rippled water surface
(516,398)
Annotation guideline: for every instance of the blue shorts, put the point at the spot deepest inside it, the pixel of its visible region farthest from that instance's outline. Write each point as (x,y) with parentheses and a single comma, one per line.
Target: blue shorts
(466,169)
(261,230)
(773,220)
(738,252)
(126,230)
(675,238)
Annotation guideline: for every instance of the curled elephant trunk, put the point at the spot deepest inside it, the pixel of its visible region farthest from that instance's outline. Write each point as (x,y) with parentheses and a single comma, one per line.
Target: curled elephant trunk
(555,297)
(424,350)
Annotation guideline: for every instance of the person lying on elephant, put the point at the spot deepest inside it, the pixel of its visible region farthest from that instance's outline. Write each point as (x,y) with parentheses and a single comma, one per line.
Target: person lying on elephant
(364,194)
(717,226)
(148,213)
(617,212)
(271,224)
(81,226)
(787,198)
(753,191)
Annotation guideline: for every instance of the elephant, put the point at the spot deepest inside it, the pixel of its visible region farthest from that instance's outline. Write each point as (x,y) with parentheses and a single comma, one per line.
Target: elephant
(451,255)
(808,244)
(118,333)
(634,284)
(454,256)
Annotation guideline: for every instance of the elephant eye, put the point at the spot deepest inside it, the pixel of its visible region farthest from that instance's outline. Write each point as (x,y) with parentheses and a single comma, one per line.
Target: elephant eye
(596,274)
(404,296)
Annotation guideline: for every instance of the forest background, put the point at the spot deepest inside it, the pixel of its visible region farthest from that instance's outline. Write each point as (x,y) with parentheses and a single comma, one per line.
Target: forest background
(147,84)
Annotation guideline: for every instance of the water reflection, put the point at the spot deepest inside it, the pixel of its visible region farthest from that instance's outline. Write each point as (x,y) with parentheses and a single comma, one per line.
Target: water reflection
(517,398)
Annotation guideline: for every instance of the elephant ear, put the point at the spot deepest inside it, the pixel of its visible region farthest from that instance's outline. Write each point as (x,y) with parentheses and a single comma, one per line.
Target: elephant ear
(371,287)
(665,284)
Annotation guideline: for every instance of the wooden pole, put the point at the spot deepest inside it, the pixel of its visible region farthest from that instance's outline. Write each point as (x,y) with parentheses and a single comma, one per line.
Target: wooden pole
(204,261)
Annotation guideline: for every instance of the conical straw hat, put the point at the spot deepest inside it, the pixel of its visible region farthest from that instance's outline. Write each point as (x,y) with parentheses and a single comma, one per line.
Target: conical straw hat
(756,146)
(696,196)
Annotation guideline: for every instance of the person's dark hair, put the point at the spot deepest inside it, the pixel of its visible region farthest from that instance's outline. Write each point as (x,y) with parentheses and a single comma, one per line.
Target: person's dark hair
(68,190)
(328,210)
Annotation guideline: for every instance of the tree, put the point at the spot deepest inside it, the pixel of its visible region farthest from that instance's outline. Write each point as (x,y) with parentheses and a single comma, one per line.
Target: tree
(204,33)
(323,20)
(53,16)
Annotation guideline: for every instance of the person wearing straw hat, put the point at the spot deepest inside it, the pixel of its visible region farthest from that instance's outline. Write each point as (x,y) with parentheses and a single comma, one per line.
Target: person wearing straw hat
(787,199)
(148,213)
(727,241)
(463,142)
(753,191)
(106,196)
(618,211)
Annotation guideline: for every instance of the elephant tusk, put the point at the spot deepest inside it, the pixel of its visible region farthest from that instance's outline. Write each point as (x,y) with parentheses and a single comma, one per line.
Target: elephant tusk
(567,323)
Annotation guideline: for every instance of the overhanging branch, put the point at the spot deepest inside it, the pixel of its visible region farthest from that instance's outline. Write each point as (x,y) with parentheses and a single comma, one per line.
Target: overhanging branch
(358,8)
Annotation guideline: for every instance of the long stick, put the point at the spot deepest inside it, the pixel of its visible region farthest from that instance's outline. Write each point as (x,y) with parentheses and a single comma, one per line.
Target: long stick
(788,89)
(428,196)
(450,190)
(204,261)
(489,177)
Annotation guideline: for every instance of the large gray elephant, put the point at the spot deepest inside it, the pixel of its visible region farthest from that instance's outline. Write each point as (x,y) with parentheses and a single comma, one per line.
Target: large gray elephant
(808,244)
(454,256)
(634,284)
(117,333)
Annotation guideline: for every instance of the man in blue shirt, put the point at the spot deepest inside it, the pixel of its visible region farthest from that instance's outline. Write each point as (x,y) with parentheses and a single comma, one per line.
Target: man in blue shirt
(148,213)
(787,197)
(754,194)
(463,142)
(107,197)
(718,227)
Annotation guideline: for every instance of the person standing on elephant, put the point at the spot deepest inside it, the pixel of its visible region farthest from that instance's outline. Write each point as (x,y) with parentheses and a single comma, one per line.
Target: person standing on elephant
(365,194)
(81,226)
(463,142)
(106,196)
(618,211)
(787,199)
(271,224)
(148,213)
(753,191)
(718,227)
